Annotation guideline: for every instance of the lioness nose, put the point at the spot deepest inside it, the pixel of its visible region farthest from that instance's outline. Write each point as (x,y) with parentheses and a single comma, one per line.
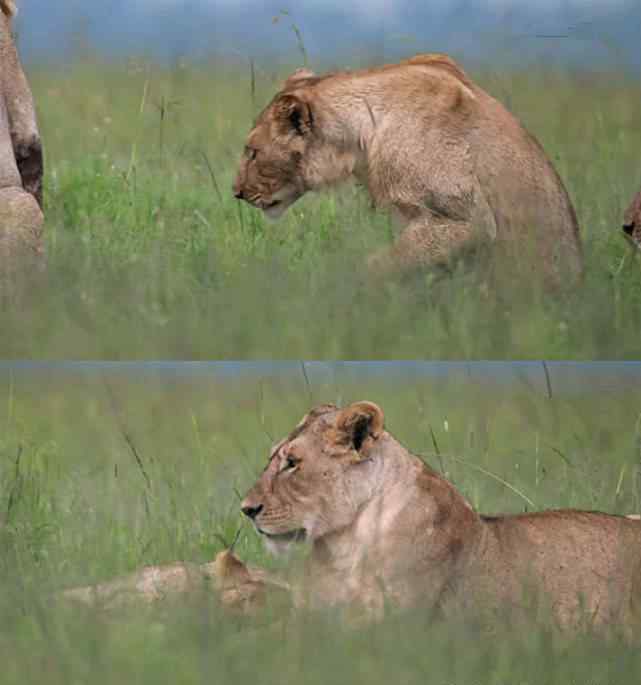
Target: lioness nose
(238,192)
(251,511)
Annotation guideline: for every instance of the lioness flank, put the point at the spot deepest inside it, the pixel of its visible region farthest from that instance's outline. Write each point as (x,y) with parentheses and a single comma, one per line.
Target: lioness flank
(384,527)
(21,166)
(454,166)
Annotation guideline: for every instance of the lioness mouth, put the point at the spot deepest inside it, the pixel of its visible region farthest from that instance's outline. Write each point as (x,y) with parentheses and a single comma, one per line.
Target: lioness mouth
(292,536)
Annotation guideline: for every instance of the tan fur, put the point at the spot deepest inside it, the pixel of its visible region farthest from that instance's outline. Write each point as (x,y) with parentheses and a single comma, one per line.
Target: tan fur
(384,527)
(8,7)
(21,164)
(239,587)
(632,221)
(454,166)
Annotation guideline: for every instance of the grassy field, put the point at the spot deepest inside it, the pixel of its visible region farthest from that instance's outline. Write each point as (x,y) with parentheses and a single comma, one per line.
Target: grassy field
(80,508)
(151,256)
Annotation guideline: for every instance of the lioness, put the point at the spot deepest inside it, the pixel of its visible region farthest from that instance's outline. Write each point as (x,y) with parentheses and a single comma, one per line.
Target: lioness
(457,169)
(21,164)
(632,221)
(384,526)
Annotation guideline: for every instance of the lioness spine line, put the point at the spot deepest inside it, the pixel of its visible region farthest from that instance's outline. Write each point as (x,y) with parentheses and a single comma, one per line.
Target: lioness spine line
(8,7)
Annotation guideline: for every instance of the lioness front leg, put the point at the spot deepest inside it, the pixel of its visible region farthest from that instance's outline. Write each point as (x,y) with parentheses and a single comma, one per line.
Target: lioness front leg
(425,242)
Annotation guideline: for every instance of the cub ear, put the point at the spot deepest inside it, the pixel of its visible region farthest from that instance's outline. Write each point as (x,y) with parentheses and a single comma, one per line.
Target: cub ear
(360,421)
(296,113)
(298,76)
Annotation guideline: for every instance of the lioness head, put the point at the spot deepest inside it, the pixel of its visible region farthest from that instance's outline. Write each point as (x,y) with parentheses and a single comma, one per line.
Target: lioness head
(632,221)
(317,477)
(283,149)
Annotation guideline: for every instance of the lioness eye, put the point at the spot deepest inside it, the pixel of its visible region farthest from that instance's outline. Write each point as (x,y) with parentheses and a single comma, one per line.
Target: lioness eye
(291,463)
(251,153)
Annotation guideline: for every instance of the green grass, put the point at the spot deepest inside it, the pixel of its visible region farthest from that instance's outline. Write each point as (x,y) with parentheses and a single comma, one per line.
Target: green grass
(78,509)
(151,256)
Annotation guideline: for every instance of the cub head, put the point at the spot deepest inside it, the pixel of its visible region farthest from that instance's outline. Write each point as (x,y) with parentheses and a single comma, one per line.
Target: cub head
(271,174)
(632,221)
(318,477)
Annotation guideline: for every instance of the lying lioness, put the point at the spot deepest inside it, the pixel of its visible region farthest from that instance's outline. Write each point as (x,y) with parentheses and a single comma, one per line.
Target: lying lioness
(457,168)
(21,166)
(384,527)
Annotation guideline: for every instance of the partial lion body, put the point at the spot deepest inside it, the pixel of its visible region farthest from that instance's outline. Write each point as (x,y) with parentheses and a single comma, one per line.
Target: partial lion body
(632,220)
(21,165)
(455,167)
(8,7)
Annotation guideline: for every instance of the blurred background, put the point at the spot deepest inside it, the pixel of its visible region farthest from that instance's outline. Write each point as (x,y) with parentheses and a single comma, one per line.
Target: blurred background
(583,32)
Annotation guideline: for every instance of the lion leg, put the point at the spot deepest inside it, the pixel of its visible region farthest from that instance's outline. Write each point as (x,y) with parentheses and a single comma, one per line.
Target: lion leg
(18,119)
(424,243)
(21,224)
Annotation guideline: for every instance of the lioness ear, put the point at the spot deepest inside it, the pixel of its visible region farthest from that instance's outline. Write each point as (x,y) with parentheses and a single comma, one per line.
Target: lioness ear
(299,75)
(296,113)
(360,421)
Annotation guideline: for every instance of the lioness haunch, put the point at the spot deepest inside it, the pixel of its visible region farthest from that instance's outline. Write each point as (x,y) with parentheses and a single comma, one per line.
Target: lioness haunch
(384,527)
(457,169)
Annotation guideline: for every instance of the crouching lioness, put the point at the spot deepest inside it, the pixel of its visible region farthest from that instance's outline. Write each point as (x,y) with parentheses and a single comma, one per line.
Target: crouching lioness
(455,167)
(20,155)
(383,526)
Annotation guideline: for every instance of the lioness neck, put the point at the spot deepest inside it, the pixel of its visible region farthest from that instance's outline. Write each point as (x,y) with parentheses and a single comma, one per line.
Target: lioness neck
(397,493)
(410,509)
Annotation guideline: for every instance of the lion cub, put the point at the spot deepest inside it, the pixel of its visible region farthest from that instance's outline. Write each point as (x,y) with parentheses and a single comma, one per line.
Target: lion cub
(456,168)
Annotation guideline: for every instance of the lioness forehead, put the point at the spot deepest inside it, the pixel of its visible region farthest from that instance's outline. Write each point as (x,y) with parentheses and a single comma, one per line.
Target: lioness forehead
(310,418)
(305,424)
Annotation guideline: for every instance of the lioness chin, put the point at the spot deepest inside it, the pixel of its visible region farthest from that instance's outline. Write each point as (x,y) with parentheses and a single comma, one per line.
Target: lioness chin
(384,527)
(458,170)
